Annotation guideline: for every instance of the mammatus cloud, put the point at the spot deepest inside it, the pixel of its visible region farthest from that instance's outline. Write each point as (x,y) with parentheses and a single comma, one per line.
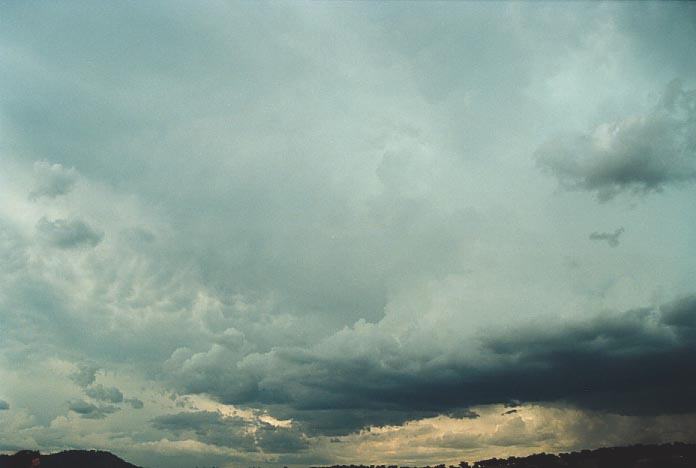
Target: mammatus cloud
(108,394)
(89,410)
(612,238)
(636,362)
(4,405)
(68,234)
(639,154)
(52,180)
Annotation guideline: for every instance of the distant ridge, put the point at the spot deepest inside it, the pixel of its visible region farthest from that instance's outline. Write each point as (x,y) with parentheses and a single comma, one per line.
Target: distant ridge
(66,459)
(674,455)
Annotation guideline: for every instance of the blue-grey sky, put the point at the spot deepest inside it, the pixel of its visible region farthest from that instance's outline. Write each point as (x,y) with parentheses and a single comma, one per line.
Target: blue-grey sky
(241,233)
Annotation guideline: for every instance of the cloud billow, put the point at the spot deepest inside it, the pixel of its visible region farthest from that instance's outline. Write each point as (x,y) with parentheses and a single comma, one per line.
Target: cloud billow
(85,374)
(109,394)
(636,363)
(53,180)
(639,154)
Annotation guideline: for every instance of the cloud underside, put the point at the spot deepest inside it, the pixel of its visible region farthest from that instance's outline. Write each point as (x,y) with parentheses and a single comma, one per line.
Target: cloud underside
(68,234)
(230,431)
(88,410)
(639,154)
(639,362)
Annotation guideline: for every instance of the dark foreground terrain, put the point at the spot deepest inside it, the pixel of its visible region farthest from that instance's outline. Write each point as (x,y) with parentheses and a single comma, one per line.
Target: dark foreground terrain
(69,458)
(676,455)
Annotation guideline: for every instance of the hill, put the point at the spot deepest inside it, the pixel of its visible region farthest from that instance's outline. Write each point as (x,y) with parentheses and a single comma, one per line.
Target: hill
(676,455)
(67,459)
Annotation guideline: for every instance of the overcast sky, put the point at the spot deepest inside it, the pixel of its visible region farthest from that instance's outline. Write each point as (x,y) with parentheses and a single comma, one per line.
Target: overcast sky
(293,233)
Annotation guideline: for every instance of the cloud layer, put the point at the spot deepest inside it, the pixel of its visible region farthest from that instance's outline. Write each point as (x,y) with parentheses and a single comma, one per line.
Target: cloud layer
(633,363)
(293,234)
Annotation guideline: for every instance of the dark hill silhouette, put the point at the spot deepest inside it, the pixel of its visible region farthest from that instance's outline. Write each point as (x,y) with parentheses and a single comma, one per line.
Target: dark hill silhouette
(67,459)
(676,455)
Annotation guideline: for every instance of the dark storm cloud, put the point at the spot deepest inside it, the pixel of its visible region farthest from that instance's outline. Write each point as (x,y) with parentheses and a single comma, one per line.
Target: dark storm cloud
(53,180)
(4,405)
(681,314)
(639,154)
(68,234)
(639,362)
(90,411)
(612,238)
(109,394)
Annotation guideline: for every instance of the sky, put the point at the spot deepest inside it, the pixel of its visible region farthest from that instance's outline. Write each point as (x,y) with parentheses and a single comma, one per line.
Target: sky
(294,233)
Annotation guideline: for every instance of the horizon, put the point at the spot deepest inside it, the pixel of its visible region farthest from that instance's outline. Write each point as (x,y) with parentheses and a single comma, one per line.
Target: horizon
(317,233)
(462,463)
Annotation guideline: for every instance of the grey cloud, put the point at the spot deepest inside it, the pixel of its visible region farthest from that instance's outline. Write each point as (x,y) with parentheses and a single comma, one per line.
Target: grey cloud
(68,234)
(4,405)
(53,180)
(624,363)
(639,154)
(680,314)
(230,431)
(85,375)
(612,238)
(272,439)
(109,394)
(463,413)
(89,410)
(135,403)
(209,427)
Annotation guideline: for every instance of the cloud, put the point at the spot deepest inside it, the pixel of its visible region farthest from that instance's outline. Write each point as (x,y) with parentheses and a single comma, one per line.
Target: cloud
(135,403)
(209,427)
(635,362)
(90,411)
(68,234)
(680,314)
(109,394)
(338,269)
(272,439)
(4,405)
(85,375)
(639,154)
(250,435)
(52,180)
(612,238)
